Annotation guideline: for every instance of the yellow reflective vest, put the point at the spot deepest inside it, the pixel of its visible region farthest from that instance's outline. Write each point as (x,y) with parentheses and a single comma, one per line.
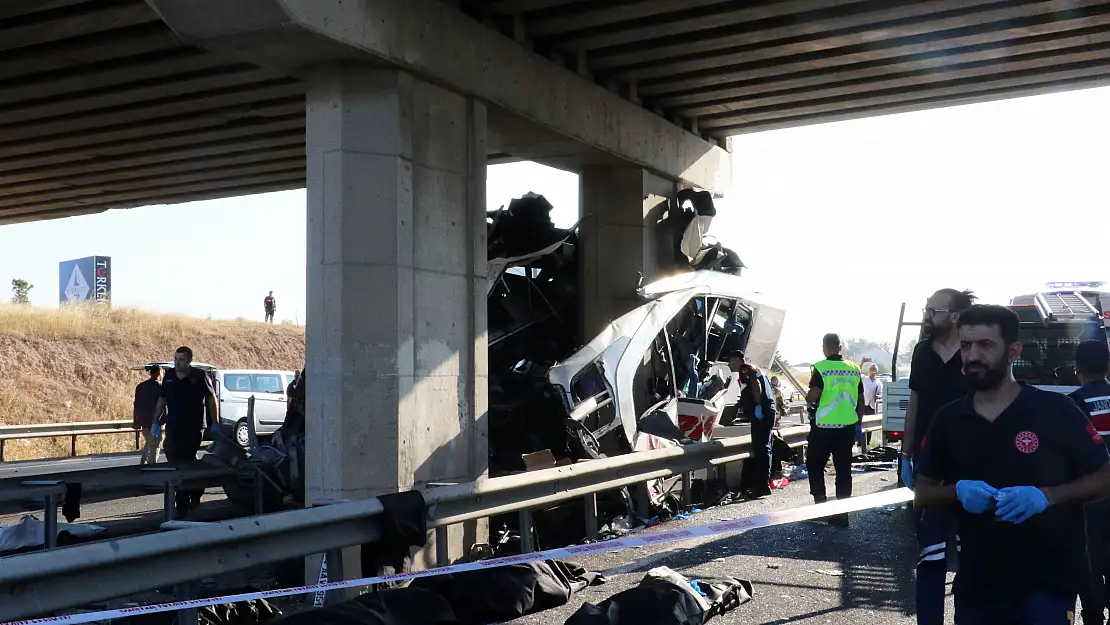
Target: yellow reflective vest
(839,394)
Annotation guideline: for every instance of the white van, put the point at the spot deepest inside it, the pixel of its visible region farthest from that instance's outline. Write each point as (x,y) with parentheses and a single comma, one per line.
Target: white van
(235,386)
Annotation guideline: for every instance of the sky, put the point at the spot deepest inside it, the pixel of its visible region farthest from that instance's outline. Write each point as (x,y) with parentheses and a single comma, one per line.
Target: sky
(838,223)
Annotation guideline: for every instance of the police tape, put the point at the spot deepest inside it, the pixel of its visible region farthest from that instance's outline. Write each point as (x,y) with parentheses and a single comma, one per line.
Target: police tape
(793,515)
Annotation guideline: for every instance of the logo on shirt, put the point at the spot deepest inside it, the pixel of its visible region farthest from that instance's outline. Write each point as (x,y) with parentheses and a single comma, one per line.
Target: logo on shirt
(1093,431)
(1026,442)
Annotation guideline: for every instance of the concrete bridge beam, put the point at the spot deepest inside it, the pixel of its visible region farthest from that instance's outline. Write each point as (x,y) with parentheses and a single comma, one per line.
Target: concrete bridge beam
(437,42)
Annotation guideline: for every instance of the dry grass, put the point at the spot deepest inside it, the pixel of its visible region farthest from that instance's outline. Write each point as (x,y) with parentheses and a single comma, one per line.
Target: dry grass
(73,364)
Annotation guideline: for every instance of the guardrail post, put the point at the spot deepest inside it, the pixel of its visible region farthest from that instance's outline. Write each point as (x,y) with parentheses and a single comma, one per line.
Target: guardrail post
(590,504)
(259,485)
(643,501)
(50,523)
(687,488)
(169,503)
(331,570)
(186,592)
(1,450)
(73,446)
(527,527)
(443,544)
(443,537)
(138,446)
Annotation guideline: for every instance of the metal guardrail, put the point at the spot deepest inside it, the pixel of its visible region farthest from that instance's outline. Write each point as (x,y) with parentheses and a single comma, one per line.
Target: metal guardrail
(29,584)
(72,430)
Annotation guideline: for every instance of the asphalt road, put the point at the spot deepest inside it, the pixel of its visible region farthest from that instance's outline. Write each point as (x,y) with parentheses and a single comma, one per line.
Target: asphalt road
(802,573)
(122,516)
(136,515)
(30,468)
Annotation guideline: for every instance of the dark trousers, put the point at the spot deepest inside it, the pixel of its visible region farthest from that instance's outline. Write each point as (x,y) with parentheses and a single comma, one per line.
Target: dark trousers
(1095,599)
(181,448)
(934,527)
(1036,608)
(756,474)
(823,443)
(867,411)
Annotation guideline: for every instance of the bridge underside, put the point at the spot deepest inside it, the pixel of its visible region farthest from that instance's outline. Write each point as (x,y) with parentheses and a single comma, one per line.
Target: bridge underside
(103,106)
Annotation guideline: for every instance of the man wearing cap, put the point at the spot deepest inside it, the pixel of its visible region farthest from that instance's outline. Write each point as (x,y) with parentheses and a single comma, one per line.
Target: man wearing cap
(1092,363)
(836,388)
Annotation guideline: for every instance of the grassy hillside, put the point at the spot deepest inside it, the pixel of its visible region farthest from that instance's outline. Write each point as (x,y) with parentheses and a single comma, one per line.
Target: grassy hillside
(73,365)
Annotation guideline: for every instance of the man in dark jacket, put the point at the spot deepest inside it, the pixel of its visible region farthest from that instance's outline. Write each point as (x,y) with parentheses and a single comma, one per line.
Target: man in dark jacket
(758,405)
(1092,365)
(147,394)
(270,305)
(190,409)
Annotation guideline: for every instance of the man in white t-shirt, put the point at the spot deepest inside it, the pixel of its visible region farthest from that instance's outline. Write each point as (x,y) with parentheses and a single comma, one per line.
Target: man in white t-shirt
(872,395)
(872,390)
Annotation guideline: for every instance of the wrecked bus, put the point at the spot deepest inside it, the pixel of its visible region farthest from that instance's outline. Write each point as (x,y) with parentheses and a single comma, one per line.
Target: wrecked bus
(653,375)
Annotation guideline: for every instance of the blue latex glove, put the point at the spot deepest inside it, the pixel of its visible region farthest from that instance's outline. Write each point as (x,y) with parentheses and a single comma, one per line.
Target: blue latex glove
(976,496)
(156,429)
(1017,504)
(907,472)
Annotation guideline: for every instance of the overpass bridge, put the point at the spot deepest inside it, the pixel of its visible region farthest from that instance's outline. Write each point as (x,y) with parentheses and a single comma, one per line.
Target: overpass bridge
(104,106)
(388,111)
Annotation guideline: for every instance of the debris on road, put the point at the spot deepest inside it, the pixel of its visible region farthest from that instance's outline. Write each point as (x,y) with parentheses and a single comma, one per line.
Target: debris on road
(30,533)
(830,572)
(472,598)
(664,597)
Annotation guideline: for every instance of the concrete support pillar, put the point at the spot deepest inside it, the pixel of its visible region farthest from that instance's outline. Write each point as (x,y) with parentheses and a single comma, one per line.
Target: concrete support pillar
(396,320)
(624,236)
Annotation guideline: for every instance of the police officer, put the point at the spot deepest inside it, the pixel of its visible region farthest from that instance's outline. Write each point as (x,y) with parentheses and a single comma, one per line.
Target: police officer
(1092,363)
(188,408)
(836,388)
(1017,464)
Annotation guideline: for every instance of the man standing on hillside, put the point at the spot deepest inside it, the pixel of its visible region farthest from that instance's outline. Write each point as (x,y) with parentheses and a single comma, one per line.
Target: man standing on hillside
(147,394)
(270,305)
(188,401)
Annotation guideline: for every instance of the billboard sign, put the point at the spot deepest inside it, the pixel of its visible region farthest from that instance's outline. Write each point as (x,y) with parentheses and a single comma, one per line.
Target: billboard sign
(85,280)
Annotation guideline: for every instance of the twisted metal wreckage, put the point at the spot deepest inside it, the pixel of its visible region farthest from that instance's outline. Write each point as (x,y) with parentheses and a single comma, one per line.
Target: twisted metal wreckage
(654,377)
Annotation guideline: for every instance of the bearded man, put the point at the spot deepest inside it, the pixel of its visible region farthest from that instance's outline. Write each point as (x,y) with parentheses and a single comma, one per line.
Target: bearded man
(1016,464)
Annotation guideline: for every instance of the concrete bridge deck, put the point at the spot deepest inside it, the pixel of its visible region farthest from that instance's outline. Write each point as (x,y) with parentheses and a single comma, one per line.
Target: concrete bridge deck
(102,105)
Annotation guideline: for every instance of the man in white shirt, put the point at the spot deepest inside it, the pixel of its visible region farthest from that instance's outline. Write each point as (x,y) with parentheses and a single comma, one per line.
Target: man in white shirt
(872,391)
(872,395)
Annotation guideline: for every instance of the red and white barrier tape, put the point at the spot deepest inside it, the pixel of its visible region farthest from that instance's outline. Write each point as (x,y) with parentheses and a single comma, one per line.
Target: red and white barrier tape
(793,515)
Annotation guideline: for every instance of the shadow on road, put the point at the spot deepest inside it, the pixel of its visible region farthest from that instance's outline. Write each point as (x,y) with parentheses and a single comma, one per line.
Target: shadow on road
(870,565)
